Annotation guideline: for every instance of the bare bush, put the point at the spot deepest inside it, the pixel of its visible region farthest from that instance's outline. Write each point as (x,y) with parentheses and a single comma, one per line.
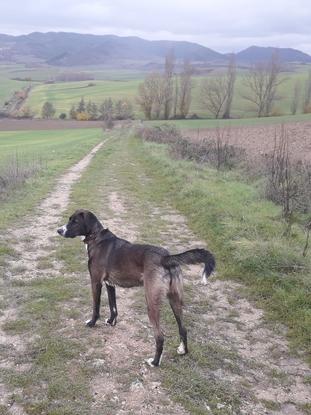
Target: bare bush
(289,182)
(217,152)
(308,229)
(17,171)
(162,134)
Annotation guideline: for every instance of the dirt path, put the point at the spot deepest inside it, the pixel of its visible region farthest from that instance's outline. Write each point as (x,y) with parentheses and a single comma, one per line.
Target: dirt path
(127,345)
(123,355)
(259,362)
(243,350)
(40,228)
(31,241)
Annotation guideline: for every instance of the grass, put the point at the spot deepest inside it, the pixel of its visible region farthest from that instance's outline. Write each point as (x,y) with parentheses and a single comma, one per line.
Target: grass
(241,122)
(55,382)
(245,232)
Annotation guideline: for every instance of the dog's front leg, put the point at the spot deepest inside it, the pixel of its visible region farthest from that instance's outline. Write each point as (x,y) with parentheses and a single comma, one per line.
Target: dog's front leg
(111,291)
(96,291)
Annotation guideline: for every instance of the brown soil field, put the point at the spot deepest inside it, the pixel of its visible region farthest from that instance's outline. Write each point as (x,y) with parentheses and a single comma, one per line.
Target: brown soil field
(259,140)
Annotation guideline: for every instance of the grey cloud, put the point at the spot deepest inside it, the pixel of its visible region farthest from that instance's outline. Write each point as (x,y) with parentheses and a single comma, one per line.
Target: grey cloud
(225,25)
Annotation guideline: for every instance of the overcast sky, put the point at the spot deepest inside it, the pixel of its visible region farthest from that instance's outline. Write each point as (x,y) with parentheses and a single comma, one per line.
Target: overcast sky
(223,25)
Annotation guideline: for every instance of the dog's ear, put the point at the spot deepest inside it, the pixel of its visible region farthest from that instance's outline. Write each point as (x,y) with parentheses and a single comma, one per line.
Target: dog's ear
(90,220)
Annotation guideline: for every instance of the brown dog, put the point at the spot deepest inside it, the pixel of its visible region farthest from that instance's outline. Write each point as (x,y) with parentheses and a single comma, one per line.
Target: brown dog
(115,261)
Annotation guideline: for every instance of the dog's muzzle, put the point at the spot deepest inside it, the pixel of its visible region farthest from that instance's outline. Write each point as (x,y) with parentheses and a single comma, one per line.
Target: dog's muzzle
(62,231)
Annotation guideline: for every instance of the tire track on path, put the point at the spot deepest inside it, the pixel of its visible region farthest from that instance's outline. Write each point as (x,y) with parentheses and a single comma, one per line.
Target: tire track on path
(31,241)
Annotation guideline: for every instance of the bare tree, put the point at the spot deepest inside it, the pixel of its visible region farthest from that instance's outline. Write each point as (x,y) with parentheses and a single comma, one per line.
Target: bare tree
(176,93)
(217,91)
(160,95)
(213,94)
(146,96)
(307,96)
(168,84)
(295,98)
(262,81)
(184,92)
(151,95)
(230,81)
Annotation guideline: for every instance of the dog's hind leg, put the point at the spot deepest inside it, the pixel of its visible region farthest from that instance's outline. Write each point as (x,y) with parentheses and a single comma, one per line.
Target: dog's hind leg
(176,305)
(96,291)
(154,295)
(112,320)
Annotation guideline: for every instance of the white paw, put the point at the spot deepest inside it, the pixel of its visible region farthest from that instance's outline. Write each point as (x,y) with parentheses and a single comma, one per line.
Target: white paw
(181,349)
(88,321)
(149,362)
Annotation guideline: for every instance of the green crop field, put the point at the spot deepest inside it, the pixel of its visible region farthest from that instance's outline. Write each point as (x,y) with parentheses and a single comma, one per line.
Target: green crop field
(64,95)
(239,122)
(71,90)
(121,84)
(8,85)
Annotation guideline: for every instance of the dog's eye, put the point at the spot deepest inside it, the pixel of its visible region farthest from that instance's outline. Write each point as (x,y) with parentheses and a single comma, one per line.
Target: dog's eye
(75,221)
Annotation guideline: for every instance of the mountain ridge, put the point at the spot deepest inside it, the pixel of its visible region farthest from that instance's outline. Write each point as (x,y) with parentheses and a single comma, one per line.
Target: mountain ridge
(75,49)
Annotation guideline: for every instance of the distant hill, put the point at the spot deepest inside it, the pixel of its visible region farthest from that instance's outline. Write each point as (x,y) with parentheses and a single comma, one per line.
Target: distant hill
(255,54)
(74,49)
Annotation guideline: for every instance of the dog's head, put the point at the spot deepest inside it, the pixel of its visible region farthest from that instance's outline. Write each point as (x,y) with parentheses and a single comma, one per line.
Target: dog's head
(81,223)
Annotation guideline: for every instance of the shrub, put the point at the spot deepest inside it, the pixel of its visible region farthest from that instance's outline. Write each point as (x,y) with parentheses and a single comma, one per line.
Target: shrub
(288,181)
(216,151)
(82,116)
(16,172)
(48,110)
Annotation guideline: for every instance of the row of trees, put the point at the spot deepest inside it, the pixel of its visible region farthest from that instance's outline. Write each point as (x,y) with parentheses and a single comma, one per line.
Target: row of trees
(168,95)
(107,110)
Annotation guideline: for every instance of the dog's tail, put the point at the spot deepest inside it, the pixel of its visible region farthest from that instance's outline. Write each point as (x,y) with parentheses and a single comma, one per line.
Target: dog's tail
(194,256)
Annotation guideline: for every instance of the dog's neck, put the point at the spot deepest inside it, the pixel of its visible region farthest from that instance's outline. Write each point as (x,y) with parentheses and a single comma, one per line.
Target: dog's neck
(94,233)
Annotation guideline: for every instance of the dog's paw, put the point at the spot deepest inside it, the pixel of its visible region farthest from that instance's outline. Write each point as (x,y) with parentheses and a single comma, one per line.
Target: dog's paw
(111,322)
(150,362)
(90,323)
(181,350)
